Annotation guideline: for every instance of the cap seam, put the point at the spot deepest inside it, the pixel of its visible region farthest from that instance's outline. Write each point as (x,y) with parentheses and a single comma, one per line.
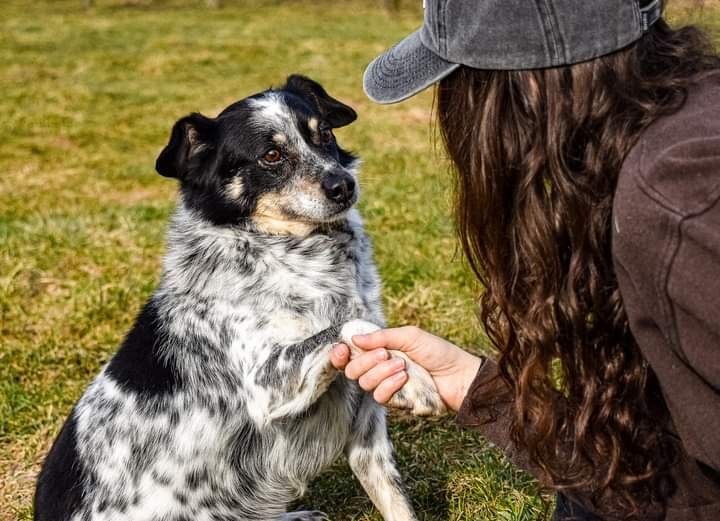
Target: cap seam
(551,44)
(440,16)
(638,16)
(557,33)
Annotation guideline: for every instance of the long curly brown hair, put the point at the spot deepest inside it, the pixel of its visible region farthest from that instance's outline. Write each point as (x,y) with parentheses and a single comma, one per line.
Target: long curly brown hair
(537,155)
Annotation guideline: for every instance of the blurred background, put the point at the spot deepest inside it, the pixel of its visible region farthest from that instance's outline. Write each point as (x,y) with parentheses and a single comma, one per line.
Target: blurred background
(89,92)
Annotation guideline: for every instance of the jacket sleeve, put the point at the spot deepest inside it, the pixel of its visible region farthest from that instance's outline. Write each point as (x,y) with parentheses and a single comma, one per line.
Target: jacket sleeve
(492,417)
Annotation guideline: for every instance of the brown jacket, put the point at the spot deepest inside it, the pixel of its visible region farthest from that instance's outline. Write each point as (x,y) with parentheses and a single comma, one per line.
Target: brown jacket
(666,247)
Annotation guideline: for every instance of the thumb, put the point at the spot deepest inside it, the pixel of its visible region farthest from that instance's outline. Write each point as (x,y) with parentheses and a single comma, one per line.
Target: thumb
(396,338)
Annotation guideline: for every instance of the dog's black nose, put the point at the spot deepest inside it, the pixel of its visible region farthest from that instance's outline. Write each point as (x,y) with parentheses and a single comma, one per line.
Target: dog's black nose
(339,188)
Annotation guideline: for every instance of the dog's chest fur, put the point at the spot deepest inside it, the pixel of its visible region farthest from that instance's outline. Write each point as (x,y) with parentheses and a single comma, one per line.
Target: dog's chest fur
(190,432)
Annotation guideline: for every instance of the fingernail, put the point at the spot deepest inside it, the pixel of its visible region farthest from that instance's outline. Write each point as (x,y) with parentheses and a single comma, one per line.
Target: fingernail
(381,355)
(398,376)
(398,363)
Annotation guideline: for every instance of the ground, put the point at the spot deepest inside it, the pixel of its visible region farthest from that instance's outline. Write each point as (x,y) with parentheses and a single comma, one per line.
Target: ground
(88,99)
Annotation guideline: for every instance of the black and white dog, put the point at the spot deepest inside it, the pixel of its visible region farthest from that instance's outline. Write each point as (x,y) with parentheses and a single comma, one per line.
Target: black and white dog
(221,403)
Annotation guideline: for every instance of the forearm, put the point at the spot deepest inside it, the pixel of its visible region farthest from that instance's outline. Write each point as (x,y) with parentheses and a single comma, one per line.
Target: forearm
(298,374)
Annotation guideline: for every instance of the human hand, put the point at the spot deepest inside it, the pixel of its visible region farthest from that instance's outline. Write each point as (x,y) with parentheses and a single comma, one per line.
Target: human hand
(451,368)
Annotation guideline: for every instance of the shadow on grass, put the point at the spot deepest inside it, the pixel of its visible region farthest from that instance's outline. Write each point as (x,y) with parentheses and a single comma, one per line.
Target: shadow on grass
(445,469)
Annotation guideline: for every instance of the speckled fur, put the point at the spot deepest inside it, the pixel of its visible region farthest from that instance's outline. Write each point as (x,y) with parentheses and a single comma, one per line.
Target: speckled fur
(221,404)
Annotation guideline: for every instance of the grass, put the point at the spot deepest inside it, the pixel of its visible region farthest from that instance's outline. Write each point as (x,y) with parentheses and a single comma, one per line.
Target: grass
(89,97)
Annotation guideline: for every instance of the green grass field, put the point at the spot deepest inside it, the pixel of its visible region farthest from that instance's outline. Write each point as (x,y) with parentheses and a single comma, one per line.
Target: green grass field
(88,99)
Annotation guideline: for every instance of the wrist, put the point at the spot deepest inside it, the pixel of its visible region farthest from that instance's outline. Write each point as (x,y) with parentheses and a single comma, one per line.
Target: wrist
(470,367)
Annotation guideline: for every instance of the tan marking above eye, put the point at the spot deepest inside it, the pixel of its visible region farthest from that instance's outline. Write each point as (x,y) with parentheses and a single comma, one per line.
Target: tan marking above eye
(313,124)
(272,156)
(280,138)
(235,188)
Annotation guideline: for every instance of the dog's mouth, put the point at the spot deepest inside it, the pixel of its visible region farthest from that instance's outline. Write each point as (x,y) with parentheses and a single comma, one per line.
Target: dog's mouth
(318,212)
(297,215)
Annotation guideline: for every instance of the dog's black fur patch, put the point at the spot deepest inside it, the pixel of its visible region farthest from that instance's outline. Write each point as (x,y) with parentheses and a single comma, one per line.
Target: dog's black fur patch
(139,366)
(62,479)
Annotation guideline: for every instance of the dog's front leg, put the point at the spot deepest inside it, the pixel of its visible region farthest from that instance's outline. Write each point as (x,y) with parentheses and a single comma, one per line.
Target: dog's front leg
(370,455)
(296,375)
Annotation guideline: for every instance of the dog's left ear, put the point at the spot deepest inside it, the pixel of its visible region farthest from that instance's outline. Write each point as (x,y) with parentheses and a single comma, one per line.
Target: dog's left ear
(336,114)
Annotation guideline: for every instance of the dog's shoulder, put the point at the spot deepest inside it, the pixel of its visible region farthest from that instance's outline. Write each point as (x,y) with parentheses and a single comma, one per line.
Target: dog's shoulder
(140,365)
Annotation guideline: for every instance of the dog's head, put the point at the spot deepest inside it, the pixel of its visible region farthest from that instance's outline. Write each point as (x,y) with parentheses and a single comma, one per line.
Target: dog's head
(271,159)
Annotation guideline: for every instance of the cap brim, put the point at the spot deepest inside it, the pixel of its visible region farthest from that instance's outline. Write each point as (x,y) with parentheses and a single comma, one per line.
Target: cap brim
(404,70)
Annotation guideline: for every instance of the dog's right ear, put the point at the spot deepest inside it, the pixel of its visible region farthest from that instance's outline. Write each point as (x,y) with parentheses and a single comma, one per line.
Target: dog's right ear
(191,140)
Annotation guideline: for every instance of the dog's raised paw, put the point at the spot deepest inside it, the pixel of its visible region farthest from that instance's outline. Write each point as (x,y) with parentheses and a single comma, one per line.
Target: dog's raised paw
(305,515)
(419,395)
(356,327)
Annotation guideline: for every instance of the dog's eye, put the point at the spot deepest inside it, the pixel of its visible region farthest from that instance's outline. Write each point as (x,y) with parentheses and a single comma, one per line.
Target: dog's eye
(272,156)
(326,136)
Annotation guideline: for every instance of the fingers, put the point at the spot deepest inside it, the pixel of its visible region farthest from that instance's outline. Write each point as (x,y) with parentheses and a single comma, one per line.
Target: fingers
(399,338)
(383,370)
(375,371)
(363,363)
(340,356)
(385,390)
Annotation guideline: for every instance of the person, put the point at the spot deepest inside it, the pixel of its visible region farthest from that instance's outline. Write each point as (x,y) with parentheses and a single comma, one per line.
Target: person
(585,144)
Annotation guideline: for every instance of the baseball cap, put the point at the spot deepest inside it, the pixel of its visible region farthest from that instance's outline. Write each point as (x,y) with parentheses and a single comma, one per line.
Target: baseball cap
(505,35)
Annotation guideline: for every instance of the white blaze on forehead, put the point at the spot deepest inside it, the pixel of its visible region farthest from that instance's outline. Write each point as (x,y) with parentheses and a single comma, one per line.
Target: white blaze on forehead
(273,114)
(271,108)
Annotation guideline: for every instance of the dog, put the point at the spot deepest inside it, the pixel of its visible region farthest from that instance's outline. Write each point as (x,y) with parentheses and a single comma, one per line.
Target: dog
(221,403)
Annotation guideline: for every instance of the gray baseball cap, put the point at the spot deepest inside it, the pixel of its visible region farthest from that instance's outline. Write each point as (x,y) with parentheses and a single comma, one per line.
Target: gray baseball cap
(505,34)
